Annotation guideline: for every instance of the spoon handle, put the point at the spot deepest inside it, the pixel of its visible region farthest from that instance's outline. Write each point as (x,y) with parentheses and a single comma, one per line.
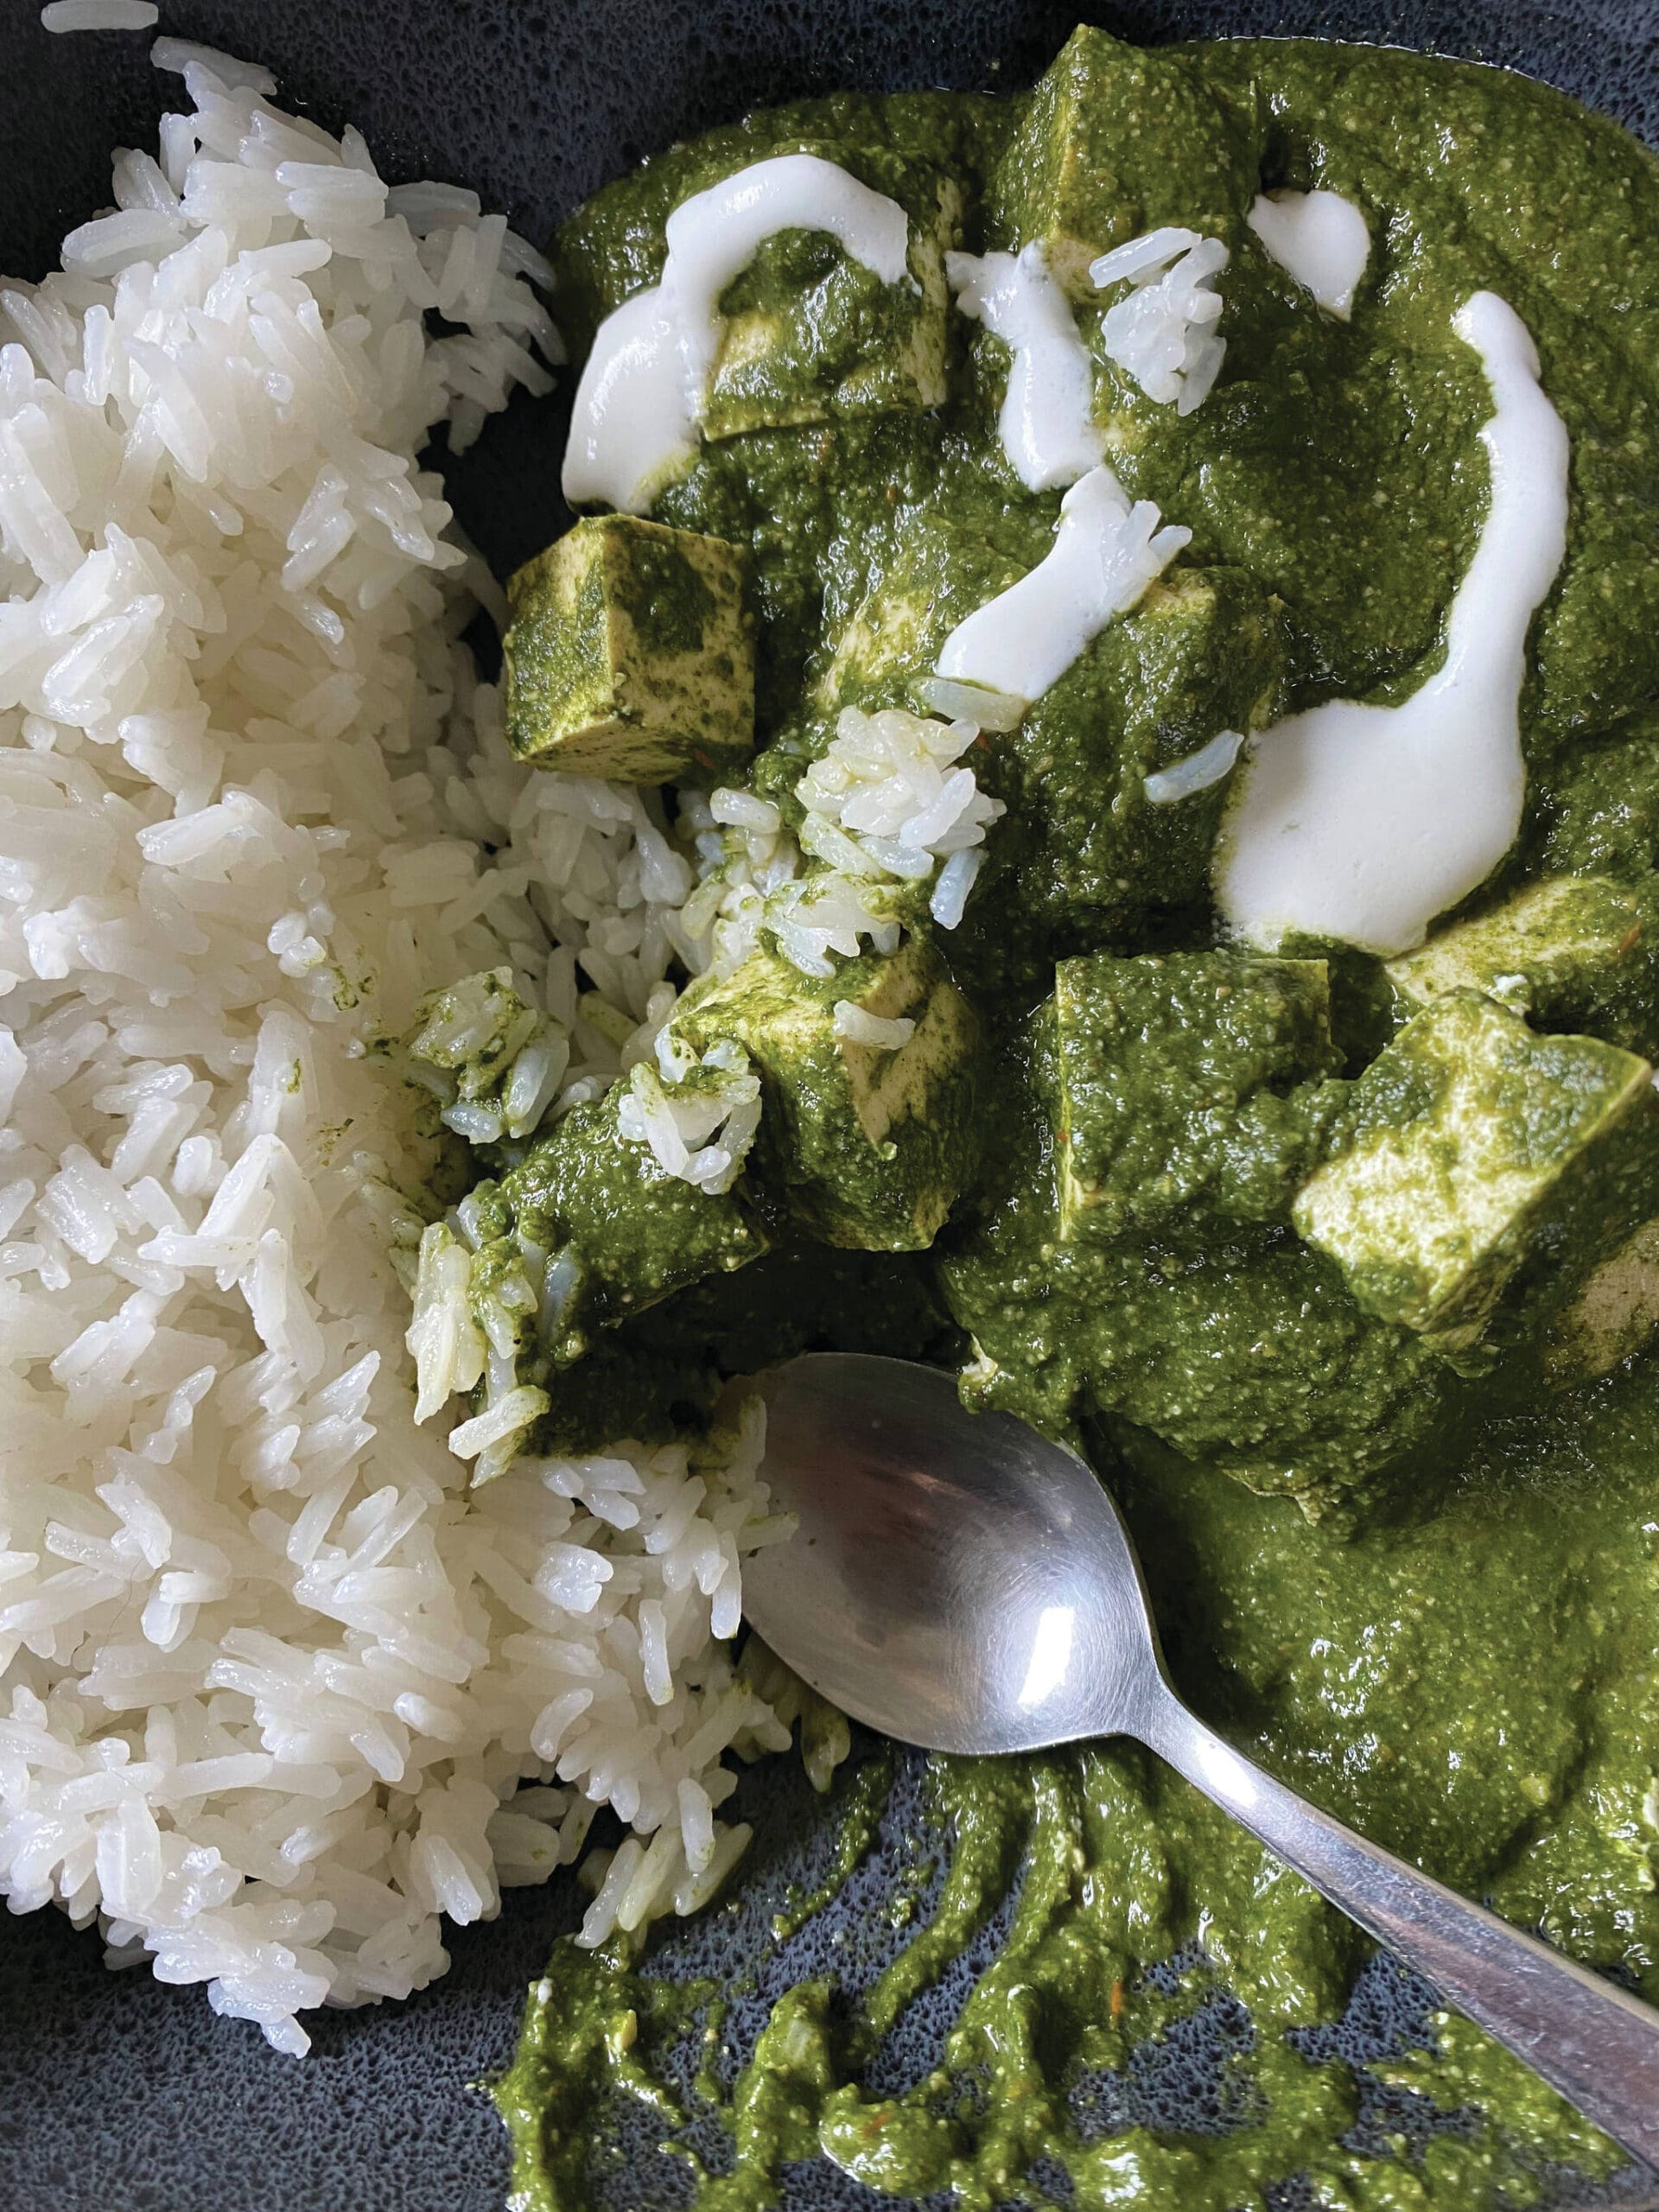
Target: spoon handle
(1597,2046)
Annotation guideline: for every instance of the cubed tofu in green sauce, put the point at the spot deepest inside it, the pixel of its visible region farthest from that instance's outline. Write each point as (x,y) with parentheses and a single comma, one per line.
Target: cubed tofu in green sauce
(809,334)
(1252,1357)
(631,655)
(850,496)
(870,1145)
(1228,1340)
(1567,952)
(1344,1272)
(917,573)
(1186,1084)
(1088,167)
(1481,1172)
(1093,855)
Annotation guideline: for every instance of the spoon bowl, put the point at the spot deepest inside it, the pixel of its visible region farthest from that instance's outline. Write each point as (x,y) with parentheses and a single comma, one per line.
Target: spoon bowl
(957,1580)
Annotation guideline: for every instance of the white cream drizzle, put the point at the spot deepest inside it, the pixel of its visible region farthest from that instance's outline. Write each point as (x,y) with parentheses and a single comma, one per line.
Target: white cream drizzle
(1319,238)
(1363,823)
(1047,423)
(631,429)
(1105,554)
(641,397)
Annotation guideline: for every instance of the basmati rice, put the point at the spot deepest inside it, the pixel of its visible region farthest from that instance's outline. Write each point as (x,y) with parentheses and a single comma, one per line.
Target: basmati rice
(889,810)
(887,1033)
(699,1117)
(99,15)
(270,1672)
(1162,331)
(1195,772)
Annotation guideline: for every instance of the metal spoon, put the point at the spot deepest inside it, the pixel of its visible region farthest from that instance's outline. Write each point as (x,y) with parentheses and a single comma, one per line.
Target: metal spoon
(958,1582)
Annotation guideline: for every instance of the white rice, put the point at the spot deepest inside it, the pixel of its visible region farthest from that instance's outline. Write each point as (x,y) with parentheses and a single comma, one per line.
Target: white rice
(269,1670)
(887,1033)
(1195,771)
(699,1117)
(272,1667)
(971,702)
(1162,331)
(496,1064)
(891,797)
(99,15)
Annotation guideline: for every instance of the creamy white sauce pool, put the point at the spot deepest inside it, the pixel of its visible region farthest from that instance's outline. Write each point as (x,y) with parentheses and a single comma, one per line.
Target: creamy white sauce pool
(641,398)
(1046,423)
(1319,238)
(1363,823)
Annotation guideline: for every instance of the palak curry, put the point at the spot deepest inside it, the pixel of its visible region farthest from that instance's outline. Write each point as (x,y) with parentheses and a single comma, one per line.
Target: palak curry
(1145,597)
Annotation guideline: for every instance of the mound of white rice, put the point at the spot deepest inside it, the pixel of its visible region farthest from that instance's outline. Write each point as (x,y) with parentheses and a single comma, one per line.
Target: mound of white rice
(273,1665)
(268,1666)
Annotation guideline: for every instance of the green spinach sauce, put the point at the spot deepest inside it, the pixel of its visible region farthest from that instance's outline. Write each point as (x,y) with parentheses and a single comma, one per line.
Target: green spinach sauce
(1445,1631)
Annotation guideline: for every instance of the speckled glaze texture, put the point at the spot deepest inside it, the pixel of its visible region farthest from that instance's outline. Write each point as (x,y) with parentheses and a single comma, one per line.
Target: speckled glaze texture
(117,2094)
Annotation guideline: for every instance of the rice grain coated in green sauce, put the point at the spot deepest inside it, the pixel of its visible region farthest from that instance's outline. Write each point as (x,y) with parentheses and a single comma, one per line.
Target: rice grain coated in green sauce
(1417,1577)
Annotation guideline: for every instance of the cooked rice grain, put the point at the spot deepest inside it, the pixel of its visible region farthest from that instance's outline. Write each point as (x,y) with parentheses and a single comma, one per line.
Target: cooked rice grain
(98,15)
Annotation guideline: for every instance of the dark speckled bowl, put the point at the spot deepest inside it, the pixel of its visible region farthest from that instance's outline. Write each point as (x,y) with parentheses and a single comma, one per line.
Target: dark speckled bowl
(117,2094)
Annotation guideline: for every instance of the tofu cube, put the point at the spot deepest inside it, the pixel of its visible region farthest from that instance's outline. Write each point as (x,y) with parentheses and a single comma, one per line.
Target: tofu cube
(1482,1173)
(618,1231)
(808,334)
(920,584)
(1201,656)
(631,655)
(1578,952)
(1175,1086)
(868,1143)
(1089,166)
